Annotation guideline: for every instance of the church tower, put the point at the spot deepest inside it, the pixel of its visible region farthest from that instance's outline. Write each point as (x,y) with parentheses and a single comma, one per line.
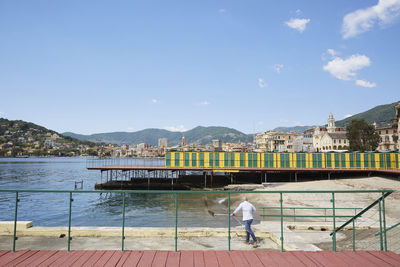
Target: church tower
(183,141)
(331,124)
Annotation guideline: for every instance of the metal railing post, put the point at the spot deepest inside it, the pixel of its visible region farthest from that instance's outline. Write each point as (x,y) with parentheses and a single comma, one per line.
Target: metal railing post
(69,221)
(384,221)
(15,220)
(281,205)
(229,221)
(354,236)
(123,223)
(176,222)
(380,226)
(334,223)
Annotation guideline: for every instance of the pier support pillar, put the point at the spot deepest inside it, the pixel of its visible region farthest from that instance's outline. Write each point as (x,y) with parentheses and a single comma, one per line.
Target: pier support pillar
(329,175)
(211,180)
(295,176)
(205,180)
(265,177)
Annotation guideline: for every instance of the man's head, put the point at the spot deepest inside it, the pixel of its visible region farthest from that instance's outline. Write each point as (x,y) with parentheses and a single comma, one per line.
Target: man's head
(244,198)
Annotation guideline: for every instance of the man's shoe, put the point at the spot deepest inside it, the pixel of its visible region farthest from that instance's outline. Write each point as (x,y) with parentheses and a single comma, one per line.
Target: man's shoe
(246,242)
(254,244)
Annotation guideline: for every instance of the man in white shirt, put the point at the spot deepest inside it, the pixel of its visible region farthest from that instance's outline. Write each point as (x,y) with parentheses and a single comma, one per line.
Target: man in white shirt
(247,210)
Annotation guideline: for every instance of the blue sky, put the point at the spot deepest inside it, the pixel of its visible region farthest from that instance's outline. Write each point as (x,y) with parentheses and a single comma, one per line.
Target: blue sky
(102,66)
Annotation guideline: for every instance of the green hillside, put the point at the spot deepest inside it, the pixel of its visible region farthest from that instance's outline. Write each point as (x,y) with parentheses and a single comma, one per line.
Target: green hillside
(21,138)
(199,135)
(380,114)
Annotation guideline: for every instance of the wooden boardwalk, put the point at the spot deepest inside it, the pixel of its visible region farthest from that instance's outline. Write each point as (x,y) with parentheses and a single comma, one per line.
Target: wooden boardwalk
(197,258)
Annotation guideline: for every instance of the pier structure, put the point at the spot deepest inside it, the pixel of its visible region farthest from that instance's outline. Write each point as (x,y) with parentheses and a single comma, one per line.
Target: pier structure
(183,170)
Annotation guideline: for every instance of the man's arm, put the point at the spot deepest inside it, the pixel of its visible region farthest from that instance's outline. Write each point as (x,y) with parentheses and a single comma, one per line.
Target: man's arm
(237,209)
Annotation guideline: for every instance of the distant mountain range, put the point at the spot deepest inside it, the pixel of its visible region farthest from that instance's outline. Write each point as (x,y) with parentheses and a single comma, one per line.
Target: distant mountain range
(380,114)
(199,135)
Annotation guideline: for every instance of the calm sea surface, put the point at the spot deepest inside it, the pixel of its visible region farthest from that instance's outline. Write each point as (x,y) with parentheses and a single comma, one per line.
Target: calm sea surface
(50,209)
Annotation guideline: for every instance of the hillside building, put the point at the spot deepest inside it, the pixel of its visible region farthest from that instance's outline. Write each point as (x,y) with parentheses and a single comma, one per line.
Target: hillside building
(271,141)
(397,109)
(163,142)
(330,137)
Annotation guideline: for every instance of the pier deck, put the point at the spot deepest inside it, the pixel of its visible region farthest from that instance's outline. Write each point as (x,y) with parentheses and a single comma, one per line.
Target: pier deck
(197,258)
(238,169)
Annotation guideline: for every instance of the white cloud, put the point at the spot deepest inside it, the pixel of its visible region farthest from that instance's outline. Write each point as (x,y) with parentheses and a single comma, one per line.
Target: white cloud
(345,69)
(2,114)
(205,103)
(261,83)
(179,128)
(332,52)
(154,101)
(278,67)
(222,10)
(365,83)
(298,24)
(362,20)
(130,129)
(348,115)
(298,12)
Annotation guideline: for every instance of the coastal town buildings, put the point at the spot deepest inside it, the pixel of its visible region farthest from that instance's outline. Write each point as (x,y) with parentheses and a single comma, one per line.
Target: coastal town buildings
(304,142)
(271,141)
(388,135)
(330,137)
(397,109)
(163,142)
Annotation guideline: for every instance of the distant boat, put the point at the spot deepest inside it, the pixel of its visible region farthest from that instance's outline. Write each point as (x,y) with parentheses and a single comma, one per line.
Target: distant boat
(22,156)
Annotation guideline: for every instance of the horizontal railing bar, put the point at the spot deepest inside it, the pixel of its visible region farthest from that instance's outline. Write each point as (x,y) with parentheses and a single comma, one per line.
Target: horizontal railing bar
(192,192)
(307,216)
(362,212)
(310,208)
(390,228)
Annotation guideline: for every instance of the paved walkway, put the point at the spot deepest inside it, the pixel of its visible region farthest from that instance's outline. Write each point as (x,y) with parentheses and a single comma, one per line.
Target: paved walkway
(197,258)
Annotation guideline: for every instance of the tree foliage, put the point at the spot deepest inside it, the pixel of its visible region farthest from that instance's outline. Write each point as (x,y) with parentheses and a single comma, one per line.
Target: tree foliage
(362,136)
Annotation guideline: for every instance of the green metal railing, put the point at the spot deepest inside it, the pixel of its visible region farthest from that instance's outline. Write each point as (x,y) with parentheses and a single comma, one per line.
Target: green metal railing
(382,221)
(294,216)
(384,194)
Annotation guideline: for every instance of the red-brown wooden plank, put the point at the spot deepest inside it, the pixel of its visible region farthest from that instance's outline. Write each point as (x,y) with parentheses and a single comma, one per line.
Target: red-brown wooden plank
(104,258)
(187,258)
(252,258)
(54,257)
(238,259)
(132,259)
(371,258)
(223,259)
(39,257)
(173,259)
(354,259)
(2,252)
(126,255)
(393,255)
(22,258)
(198,259)
(115,258)
(303,258)
(381,255)
(292,259)
(69,258)
(210,259)
(84,256)
(160,259)
(319,259)
(265,258)
(94,258)
(334,259)
(147,258)
(6,258)
(279,257)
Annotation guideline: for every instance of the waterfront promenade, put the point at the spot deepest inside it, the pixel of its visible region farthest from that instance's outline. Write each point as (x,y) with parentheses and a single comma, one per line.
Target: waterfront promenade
(197,258)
